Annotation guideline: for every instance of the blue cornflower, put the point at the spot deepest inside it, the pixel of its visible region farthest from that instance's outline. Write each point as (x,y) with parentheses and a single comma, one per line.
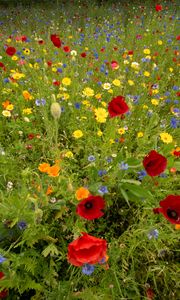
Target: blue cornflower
(123,166)
(77,105)
(174,123)
(102,172)
(154,233)
(109,159)
(103,190)
(38,102)
(88,269)
(141,174)
(59,70)
(2,259)
(22,225)
(91,158)
(6,80)
(175,88)
(43,101)
(163,175)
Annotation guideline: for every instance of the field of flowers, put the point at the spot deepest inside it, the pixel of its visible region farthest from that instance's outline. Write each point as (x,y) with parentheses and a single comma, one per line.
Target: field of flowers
(89,132)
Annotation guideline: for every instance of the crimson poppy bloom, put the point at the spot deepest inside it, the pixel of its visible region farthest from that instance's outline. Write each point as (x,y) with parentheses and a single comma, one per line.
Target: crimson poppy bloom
(158,7)
(4,293)
(117,106)
(114,64)
(83,54)
(154,163)
(178,38)
(91,207)
(86,249)
(56,40)
(10,51)
(130,52)
(170,208)
(23,38)
(2,66)
(66,49)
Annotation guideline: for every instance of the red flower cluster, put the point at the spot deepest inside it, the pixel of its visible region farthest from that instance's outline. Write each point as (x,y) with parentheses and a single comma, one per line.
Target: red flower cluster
(10,51)
(117,107)
(91,207)
(158,7)
(2,66)
(86,249)
(4,293)
(56,40)
(154,163)
(170,208)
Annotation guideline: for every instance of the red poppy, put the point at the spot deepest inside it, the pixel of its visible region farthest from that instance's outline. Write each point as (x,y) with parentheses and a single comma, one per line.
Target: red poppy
(2,66)
(40,42)
(158,7)
(10,51)
(86,249)
(56,40)
(66,49)
(102,49)
(154,163)
(83,54)
(178,94)
(31,136)
(91,207)
(114,64)
(56,82)
(138,36)
(4,293)
(130,52)
(176,153)
(178,38)
(49,63)
(117,106)
(23,38)
(170,208)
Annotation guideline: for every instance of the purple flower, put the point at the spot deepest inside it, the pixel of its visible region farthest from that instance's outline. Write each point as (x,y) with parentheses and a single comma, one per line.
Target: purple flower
(22,225)
(91,158)
(123,166)
(88,269)
(2,259)
(103,190)
(141,174)
(154,233)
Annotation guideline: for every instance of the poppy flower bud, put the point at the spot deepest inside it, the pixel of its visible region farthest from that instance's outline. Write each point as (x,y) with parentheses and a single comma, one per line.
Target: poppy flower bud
(55,110)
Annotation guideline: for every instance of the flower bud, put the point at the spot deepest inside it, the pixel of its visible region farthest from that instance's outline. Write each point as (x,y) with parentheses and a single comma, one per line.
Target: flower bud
(55,110)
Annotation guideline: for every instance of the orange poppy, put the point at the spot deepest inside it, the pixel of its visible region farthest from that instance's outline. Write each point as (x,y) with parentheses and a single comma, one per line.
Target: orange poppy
(82,193)
(53,171)
(44,167)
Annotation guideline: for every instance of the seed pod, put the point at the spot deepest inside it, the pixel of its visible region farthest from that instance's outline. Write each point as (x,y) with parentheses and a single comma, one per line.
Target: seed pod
(55,110)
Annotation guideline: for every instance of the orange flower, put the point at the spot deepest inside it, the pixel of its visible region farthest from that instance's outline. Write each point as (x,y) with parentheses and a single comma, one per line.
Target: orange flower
(53,171)
(177,226)
(49,190)
(82,193)
(27,95)
(44,167)
(6,103)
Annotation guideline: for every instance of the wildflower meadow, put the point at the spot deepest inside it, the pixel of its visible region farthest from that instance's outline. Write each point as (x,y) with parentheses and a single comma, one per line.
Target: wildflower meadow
(89,150)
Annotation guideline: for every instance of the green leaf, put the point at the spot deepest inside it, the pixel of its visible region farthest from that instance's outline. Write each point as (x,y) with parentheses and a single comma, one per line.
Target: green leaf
(125,196)
(153,121)
(51,249)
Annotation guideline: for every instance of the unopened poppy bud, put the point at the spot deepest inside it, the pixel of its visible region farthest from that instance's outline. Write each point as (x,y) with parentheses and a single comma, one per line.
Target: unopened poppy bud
(55,110)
